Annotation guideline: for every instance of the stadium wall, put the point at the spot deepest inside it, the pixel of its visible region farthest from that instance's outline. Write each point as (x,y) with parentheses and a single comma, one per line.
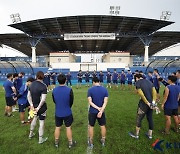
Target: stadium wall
(92,66)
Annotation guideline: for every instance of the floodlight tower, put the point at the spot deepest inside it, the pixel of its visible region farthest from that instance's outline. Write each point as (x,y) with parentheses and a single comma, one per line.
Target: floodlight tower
(165,15)
(114,10)
(15,18)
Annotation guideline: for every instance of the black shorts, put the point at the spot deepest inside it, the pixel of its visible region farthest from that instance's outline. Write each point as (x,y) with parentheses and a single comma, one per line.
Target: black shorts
(122,82)
(108,81)
(54,82)
(67,121)
(10,101)
(79,80)
(87,80)
(157,89)
(92,119)
(22,107)
(130,82)
(170,112)
(115,81)
(42,116)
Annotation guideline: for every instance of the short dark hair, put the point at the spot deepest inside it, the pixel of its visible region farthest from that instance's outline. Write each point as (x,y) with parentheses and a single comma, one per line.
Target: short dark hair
(15,75)
(172,78)
(22,73)
(150,72)
(9,75)
(31,79)
(138,76)
(61,78)
(156,70)
(40,75)
(178,71)
(95,79)
(114,69)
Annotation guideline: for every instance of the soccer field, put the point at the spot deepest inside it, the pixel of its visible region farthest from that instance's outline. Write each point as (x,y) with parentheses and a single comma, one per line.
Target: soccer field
(121,117)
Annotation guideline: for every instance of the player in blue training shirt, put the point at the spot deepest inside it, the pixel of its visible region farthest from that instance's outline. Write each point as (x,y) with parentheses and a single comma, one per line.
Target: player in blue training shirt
(156,83)
(53,78)
(63,99)
(101,75)
(115,79)
(109,79)
(20,80)
(122,80)
(15,82)
(69,76)
(150,76)
(94,74)
(22,99)
(46,80)
(10,92)
(79,77)
(97,98)
(87,75)
(129,77)
(170,103)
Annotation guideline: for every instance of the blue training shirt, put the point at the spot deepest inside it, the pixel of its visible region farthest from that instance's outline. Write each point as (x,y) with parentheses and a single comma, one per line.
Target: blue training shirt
(23,91)
(123,77)
(115,76)
(155,81)
(129,77)
(19,83)
(172,100)
(108,77)
(62,97)
(97,93)
(87,75)
(8,88)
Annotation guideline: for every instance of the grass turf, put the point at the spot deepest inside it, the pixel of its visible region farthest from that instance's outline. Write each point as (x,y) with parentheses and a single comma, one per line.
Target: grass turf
(121,117)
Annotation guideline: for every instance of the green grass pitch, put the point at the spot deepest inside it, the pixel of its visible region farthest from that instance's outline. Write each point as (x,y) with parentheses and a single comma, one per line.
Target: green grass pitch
(121,117)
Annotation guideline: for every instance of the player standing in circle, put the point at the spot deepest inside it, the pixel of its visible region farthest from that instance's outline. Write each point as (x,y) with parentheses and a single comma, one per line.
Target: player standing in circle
(87,75)
(63,99)
(147,92)
(97,98)
(37,100)
(20,80)
(10,92)
(170,103)
(79,76)
(94,74)
(129,77)
(22,99)
(69,76)
(156,83)
(122,80)
(109,79)
(115,79)
(101,75)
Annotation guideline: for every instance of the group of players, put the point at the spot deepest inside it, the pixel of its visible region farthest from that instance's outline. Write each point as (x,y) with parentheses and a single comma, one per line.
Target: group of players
(114,78)
(33,94)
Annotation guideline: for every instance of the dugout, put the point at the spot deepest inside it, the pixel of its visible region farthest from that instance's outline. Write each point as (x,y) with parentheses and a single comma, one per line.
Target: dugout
(15,67)
(165,67)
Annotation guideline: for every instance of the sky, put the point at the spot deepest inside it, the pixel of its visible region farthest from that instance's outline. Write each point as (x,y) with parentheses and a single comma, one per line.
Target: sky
(38,9)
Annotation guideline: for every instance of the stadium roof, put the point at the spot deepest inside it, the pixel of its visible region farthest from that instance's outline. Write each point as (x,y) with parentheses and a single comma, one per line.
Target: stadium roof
(128,30)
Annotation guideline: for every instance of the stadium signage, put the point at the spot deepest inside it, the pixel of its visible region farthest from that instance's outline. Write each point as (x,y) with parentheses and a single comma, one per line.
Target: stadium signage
(89,36)
(160,145)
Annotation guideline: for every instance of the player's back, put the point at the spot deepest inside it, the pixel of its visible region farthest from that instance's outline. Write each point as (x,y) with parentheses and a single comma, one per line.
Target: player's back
(62,96)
